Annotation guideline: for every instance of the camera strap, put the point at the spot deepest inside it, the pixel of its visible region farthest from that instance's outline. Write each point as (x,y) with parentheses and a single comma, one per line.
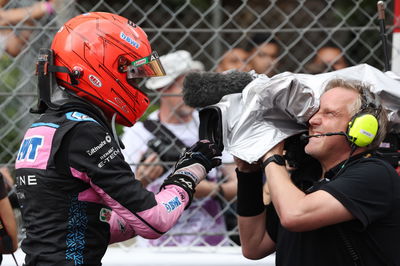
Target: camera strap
(162,132)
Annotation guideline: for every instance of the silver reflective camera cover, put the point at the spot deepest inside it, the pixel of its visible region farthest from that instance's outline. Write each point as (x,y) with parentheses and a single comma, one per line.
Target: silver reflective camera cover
(270,110)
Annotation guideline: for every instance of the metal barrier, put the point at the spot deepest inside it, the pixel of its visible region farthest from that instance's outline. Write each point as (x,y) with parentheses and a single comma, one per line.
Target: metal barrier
(207,29)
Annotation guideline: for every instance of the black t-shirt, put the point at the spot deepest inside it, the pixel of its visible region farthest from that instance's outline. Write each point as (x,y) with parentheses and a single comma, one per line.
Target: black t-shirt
(370,189)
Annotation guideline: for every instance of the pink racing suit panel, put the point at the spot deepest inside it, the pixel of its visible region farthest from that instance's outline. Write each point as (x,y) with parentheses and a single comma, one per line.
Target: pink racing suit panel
(150,223)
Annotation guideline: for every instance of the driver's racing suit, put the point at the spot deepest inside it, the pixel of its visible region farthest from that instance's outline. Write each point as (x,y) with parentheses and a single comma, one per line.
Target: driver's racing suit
(77,193)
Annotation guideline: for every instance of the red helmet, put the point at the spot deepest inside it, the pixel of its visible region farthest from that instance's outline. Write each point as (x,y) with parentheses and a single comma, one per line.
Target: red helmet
(105,54)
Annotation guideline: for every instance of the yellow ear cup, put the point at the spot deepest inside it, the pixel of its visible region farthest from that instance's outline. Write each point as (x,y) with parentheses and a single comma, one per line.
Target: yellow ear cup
(362,129)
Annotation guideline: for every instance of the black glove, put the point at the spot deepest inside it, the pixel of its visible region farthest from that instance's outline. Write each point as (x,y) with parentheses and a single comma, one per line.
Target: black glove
(202,152)
(193,166)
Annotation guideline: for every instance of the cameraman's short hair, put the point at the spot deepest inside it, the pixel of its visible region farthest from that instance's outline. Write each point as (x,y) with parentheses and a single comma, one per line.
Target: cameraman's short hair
(368,102)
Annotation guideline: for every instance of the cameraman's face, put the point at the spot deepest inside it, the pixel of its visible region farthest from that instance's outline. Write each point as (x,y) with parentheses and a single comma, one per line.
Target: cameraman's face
(333,115)
(174,102)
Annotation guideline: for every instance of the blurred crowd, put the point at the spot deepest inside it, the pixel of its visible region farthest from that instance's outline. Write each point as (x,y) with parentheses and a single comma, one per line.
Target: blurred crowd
(211,219)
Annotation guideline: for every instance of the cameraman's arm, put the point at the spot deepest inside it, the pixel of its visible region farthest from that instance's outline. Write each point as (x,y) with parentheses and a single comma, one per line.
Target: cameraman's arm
(255,240)
(8,221)
(229,187)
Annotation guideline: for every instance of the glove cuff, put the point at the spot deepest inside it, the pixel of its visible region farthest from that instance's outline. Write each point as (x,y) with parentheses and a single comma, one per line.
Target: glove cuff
(182,181)
(249,193)
(195,171)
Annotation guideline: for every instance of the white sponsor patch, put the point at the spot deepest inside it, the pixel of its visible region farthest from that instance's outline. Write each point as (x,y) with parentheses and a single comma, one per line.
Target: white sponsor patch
(95,81)
(366,133)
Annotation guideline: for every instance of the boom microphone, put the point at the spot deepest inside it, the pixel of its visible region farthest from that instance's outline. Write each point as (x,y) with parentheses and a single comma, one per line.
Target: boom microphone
(305,137)
(201,89)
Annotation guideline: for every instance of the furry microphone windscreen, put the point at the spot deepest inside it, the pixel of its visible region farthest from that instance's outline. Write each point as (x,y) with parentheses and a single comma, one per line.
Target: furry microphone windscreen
(201,89)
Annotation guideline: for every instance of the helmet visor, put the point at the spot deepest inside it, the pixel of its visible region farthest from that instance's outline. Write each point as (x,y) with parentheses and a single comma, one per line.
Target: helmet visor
(149,66)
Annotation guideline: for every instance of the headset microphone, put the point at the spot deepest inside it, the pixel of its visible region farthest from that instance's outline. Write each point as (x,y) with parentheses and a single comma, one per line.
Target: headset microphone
(305,137)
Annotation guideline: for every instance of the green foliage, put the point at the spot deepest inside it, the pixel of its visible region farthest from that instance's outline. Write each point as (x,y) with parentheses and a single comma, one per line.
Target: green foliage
(9,77)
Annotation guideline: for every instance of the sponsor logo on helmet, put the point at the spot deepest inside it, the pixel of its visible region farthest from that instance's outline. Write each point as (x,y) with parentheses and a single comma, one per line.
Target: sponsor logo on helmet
(95,81)
(132,24)
(129,40)
(140,62)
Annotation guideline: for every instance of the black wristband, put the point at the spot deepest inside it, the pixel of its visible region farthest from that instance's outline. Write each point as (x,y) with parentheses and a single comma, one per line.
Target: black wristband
(184,182)
(250,193)
(276,158)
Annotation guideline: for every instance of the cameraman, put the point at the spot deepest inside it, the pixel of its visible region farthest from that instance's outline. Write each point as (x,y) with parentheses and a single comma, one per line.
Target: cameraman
(351,216)
(176,126)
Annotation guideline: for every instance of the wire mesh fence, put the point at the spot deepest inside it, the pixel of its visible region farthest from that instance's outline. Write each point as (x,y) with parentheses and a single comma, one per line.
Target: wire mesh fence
(205,28)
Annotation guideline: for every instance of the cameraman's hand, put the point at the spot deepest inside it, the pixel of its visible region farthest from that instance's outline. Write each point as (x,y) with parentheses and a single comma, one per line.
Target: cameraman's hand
(245,167)
(198,160)
(149,170)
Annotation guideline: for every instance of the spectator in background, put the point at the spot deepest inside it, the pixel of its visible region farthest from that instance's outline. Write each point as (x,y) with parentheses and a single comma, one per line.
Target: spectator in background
(234,59)
(175,126)
(12,41)
(8,225)
(328,58)
(8,179)
(10,186)
(263,54)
